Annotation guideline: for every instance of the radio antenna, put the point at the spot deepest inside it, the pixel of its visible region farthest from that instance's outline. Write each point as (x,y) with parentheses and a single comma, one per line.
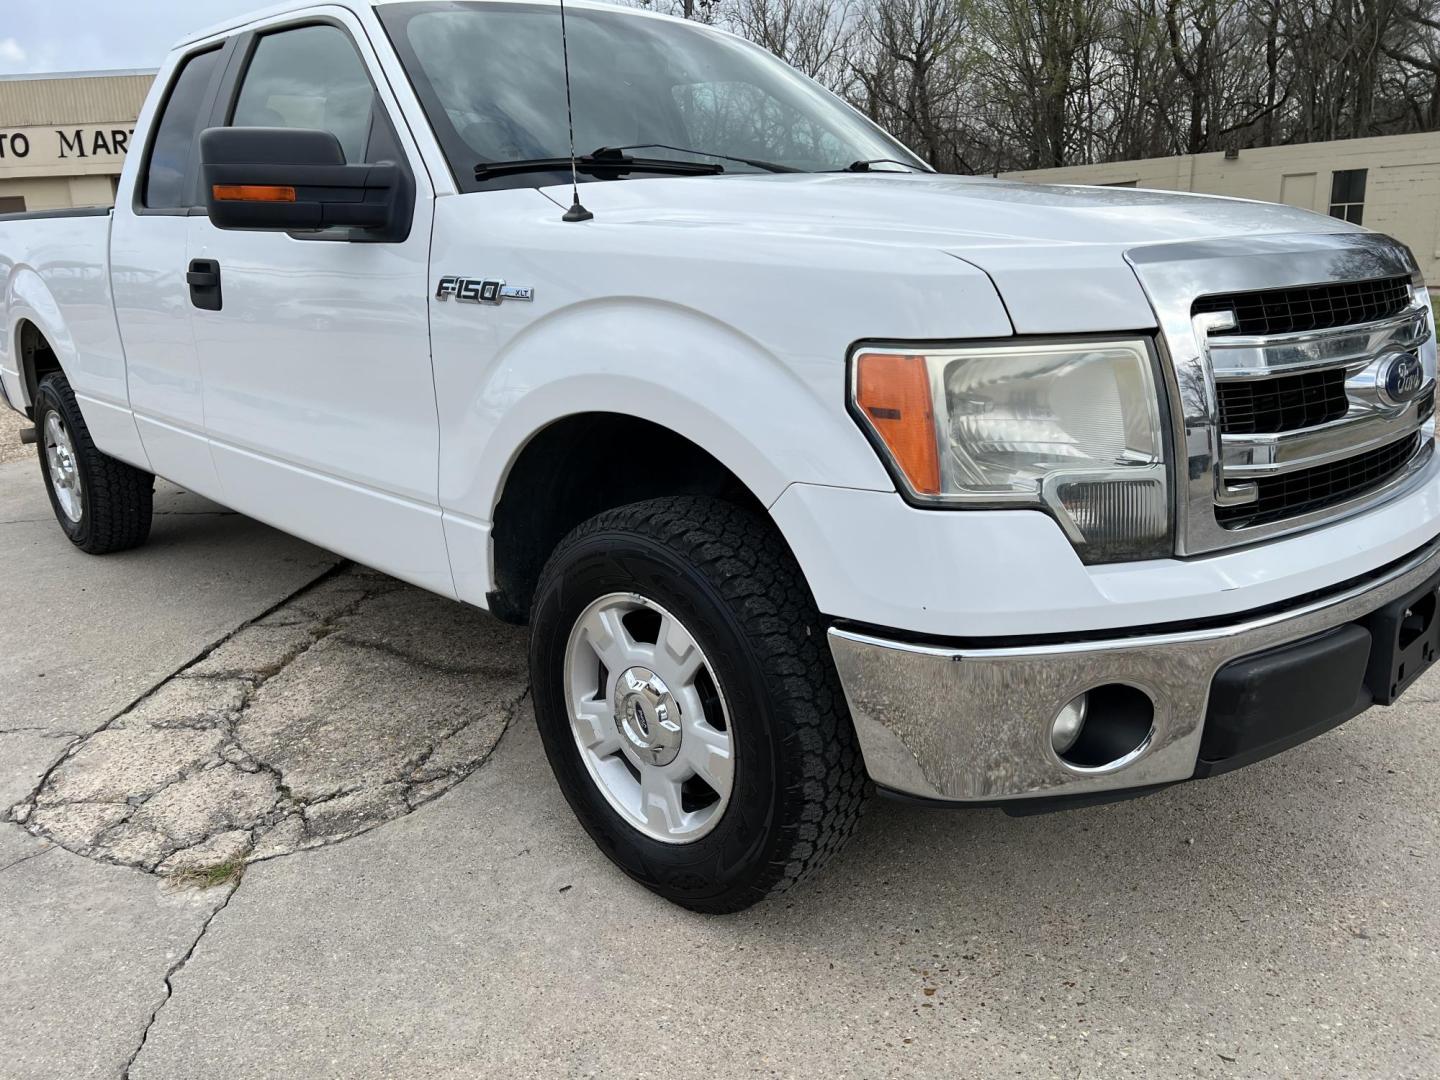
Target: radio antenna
(576,211)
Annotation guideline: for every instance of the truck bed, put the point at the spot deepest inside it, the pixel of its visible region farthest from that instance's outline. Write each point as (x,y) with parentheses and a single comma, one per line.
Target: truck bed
(64,212)
(55,276)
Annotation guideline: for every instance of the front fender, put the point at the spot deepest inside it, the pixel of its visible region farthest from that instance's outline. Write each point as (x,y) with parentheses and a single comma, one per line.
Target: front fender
(672,366)
(728,330)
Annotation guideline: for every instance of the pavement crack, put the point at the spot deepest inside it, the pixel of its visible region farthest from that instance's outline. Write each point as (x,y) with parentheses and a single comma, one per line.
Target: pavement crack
(421,662)
(509,709)
(38,730)
(25,858)
(174,970)
(32,799)
(214,767)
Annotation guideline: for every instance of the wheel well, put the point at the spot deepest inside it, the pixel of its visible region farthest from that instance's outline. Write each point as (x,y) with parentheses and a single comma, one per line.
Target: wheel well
(37,359)
(578,467)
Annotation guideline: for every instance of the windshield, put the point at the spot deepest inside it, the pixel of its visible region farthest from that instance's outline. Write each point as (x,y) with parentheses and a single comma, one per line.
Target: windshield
(491,79)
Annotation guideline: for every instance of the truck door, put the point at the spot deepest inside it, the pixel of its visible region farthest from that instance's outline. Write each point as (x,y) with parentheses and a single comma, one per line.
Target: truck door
(153,209)
(314,347)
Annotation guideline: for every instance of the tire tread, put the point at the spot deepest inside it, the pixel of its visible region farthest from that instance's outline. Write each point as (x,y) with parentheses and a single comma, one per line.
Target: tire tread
(750,567)
(119,497)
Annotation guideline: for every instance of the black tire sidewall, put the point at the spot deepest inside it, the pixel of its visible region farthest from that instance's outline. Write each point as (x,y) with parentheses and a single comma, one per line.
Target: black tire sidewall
(738,851)
(48,401)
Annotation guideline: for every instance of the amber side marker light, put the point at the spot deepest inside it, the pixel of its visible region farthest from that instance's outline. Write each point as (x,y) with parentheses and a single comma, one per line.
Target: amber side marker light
(253,193)
(893,393)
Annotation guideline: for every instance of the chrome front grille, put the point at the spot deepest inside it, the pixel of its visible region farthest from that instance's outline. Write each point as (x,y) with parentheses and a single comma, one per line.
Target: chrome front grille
(1311,307)
(1284,403)
(1307,490)
(1307,419)
(1293,386)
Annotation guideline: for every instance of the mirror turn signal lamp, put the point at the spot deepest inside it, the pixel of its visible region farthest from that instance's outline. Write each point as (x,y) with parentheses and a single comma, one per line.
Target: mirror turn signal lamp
(893,394)
(253,193)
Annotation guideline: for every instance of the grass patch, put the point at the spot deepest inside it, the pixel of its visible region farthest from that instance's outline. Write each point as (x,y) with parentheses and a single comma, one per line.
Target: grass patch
(208,877)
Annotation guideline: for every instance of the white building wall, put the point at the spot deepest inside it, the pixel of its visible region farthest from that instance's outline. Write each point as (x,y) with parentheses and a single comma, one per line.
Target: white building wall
(64,139)
(1402,196)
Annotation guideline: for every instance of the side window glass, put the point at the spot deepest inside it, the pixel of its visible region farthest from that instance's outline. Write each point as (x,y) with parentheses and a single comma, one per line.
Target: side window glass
(167,173)
(311,78)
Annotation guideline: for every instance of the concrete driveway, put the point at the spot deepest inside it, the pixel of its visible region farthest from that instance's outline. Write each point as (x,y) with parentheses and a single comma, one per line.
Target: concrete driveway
(270,816)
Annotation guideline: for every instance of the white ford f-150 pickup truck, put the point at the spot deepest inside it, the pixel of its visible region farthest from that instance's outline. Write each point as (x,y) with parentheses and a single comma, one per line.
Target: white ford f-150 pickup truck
(812,471)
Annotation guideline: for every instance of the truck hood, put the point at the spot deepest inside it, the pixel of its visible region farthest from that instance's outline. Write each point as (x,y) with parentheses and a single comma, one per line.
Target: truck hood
(1055,253)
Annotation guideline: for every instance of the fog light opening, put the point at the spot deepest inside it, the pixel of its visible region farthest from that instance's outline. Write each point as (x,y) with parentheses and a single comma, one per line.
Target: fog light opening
(1065,731)
(1103,727)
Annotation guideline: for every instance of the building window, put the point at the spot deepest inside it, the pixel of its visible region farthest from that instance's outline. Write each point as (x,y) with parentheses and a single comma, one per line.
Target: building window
(1347,195)
(12,204)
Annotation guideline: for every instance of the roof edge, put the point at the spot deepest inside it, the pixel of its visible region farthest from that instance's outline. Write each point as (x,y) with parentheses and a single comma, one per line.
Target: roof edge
(42,76)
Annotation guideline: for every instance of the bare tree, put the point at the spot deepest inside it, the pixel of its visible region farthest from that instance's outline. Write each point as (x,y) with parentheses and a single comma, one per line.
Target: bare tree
(1415,50)
(987,85)
(815,36)
(1045,66)
(912,75)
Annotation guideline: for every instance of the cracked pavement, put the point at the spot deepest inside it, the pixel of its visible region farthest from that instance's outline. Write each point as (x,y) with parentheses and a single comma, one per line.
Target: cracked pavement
(349,704)
(418,900)
(292,702)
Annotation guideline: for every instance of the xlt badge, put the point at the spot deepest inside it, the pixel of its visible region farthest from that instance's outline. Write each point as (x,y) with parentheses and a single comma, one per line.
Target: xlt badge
(478,291)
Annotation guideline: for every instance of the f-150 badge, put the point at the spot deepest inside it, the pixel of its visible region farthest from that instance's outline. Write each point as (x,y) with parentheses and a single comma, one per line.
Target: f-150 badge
(475,291)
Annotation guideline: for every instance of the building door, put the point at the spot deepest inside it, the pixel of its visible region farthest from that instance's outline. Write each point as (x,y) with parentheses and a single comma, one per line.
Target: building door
(12,204)
(1298,189)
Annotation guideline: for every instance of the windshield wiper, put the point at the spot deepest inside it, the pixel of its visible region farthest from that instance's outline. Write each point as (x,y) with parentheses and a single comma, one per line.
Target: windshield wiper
(864,165)
(604,162)
(768,166)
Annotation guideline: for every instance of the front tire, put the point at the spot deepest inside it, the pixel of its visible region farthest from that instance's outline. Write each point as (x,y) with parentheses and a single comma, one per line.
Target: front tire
(688,704)
(103,505)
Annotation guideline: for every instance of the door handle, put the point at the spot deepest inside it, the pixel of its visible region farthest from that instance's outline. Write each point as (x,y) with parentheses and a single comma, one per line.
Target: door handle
(203,277)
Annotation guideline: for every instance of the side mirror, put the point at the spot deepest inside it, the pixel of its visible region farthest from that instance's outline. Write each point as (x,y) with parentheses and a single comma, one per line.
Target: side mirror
(292,180)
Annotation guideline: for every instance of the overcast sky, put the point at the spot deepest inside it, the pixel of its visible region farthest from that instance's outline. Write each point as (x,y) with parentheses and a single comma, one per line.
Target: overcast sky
(87,35)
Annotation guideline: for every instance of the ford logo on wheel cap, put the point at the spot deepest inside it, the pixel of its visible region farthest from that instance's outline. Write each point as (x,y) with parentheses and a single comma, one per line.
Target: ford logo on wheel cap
(1400,378)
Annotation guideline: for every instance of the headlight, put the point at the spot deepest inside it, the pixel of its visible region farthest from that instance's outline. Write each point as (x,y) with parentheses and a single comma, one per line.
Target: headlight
(1072,427)
(1420,297)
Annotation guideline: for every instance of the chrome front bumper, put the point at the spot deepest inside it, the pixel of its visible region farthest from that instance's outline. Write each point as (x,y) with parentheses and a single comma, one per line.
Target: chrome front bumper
(973,725)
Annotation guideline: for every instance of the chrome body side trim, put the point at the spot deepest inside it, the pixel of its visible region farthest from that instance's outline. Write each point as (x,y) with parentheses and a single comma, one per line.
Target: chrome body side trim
(1175,275)
(966,724)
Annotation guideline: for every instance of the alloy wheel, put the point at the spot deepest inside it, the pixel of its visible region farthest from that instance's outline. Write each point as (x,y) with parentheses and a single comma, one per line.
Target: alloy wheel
(649,718)
(64,469)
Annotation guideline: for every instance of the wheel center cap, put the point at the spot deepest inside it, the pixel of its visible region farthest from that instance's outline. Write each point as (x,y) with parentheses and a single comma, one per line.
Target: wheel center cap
(647,716)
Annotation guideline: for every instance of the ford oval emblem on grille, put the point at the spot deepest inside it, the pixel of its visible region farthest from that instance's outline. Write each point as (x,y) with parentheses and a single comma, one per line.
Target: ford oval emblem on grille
(1400,378)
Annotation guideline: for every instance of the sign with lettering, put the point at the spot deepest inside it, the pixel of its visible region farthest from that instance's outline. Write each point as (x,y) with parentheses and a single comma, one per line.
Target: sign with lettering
(61,150)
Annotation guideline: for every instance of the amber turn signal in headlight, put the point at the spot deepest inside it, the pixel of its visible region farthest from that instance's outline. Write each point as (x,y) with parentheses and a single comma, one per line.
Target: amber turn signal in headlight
(894,394)
(1069,426)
